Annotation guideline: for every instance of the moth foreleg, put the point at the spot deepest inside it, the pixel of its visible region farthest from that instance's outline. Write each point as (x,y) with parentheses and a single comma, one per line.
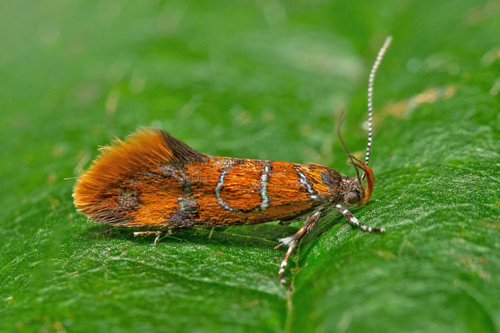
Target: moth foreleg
(352,219)
(293,240)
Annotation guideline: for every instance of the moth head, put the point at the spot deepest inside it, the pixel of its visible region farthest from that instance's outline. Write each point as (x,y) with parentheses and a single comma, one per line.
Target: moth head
(354,190)
(360,193)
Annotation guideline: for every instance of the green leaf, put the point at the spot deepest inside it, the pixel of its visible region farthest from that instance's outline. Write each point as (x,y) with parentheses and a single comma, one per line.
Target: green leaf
(254,80)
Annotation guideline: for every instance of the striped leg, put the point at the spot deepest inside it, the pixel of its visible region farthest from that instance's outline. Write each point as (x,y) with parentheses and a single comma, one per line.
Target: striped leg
(293,240)
(352,219)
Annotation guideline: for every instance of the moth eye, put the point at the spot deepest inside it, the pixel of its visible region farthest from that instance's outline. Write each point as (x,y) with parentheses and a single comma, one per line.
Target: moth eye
(353,197)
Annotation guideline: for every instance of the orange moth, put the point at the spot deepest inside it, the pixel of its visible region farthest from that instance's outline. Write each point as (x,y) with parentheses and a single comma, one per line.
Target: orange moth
(156,182)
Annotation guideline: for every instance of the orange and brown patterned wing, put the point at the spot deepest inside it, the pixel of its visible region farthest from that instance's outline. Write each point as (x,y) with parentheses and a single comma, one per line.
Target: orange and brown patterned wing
(154,180)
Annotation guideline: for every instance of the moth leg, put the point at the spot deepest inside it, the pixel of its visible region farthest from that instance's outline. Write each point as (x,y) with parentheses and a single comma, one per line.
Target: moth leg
(352,219)
(158,233)
(293,240)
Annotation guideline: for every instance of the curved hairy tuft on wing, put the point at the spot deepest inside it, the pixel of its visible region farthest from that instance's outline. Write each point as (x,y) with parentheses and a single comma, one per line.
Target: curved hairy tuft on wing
(145,150)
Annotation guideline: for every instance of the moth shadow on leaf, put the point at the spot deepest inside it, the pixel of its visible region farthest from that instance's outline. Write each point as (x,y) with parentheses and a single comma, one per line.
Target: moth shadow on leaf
(260,236)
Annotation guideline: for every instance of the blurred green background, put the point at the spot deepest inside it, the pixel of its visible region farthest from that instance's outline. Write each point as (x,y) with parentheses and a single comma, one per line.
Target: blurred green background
(254,79)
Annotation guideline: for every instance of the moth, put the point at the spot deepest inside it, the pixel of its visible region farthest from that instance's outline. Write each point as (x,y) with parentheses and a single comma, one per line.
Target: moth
(157,183)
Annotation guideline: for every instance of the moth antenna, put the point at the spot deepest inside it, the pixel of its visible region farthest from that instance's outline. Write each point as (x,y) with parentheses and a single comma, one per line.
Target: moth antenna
(370,95)
(351,158)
